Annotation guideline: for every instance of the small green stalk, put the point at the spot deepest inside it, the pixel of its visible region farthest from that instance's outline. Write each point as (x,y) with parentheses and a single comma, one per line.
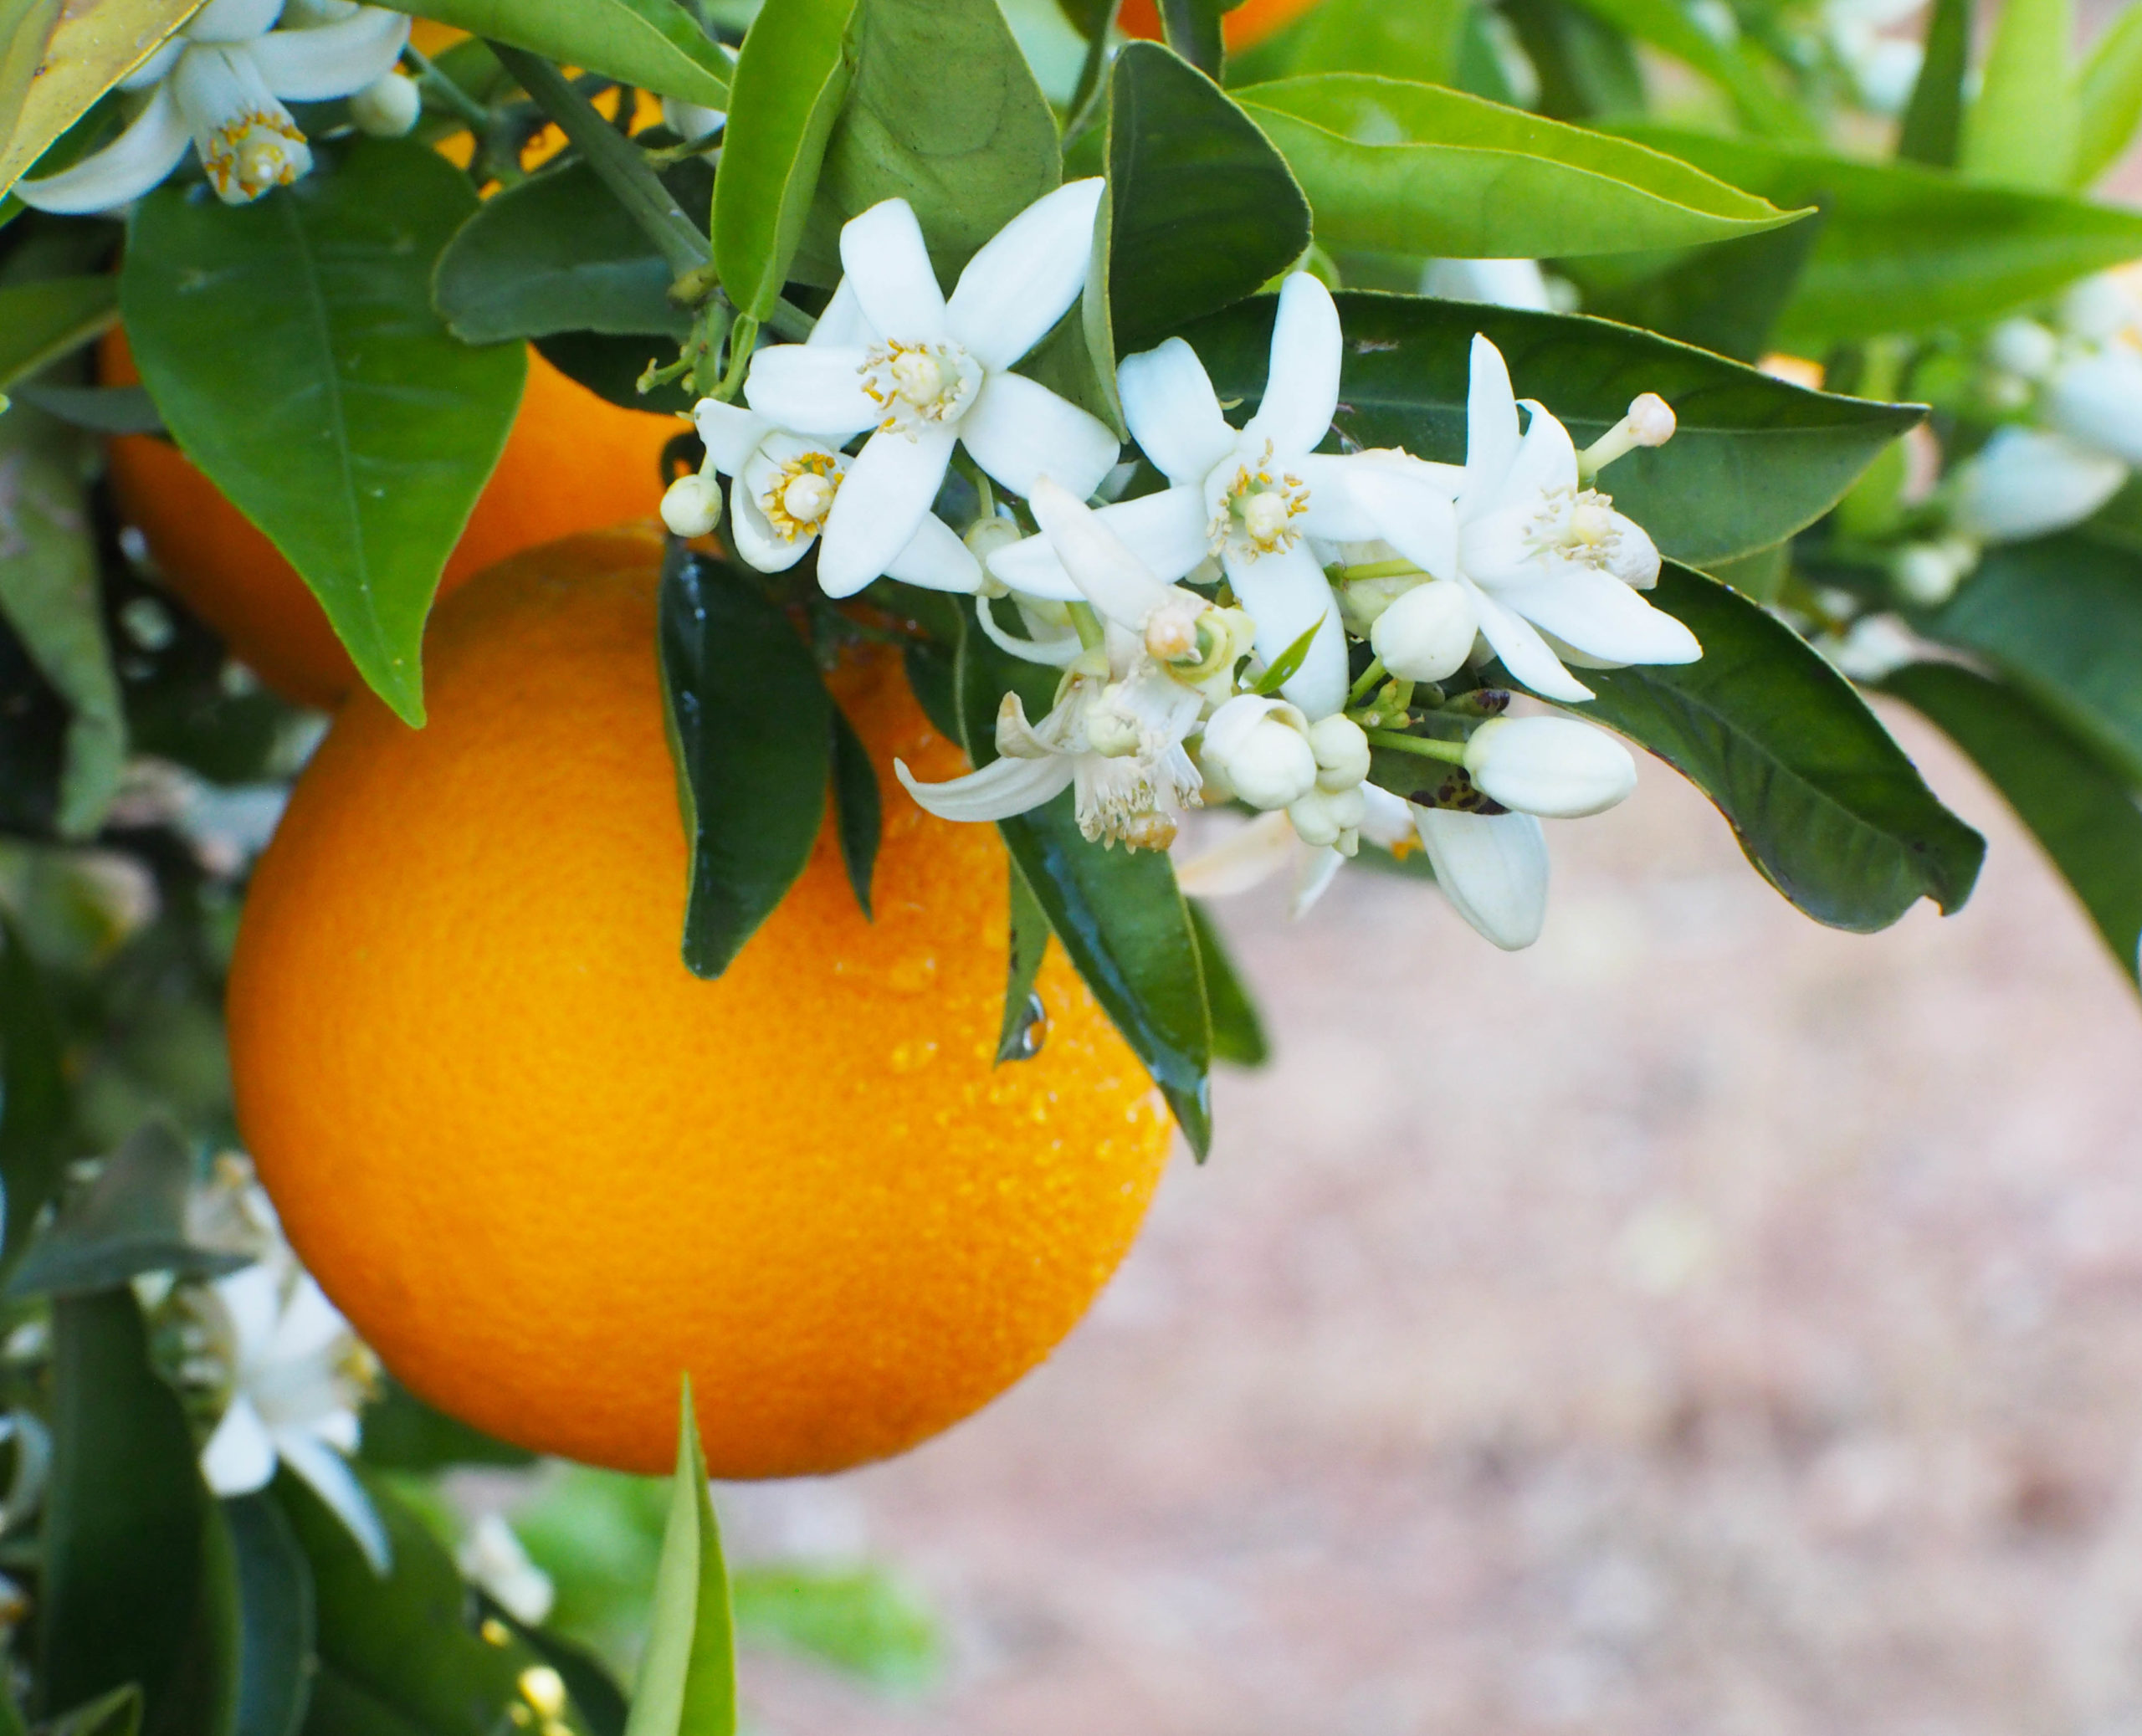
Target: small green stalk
(1374,570)
(1374,673)
(743,338)
(1088,626)
(435,84)
(1451,752)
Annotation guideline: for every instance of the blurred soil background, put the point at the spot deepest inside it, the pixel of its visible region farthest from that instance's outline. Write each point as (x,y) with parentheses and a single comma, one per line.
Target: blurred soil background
(1703,1322)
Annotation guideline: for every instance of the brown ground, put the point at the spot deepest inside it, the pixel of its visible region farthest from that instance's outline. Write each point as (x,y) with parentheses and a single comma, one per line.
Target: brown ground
(1702,1323)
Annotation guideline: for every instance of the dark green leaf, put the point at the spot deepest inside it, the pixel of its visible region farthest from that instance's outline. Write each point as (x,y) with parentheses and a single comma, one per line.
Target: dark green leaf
(125,1516)
(1729,64)
(275,1660)
(1412,169)
(1026,1020)
(130,1221)
(2020,128)
(1191,29)
(2078,807)
(944,112)
(859,1619)
(401,1433)
(790,78)
(117,1713)
(349,425)
(2062,620)
(1726,298)
(1934,122)
(33,1094)
(601,1701)
(1825,805)
(610,367)
(655,45)
(857,810)
(555,253)
(396,1654)
(750,725)
(1201,210)
(1237,1031)
(1906,249)
(103,409)
(686,1681)
(1755,459)
(40,322)
(2109,97)
(1587,70)
(1117,913)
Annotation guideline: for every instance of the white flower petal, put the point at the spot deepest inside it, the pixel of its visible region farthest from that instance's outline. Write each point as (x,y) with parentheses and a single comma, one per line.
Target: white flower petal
(1595,613)
(1525,654)
(1301,390)
(937,559)
(1491,436)
(309,1324)
(1286,593)
(247,140)
(337,1486)
(157,68)
(882,503)
(1058,650)
(1018,431)
(240,1455)
(333,60)
(1246,857)
(1112,578)
(1492,867)
(1411,513)
(814,388)
(1166,530)
(1026,277)
(1545,460)
(252,1300)
(2098,399)
(1172,412)
(1312,879)
(1000,789)
(843,323)
(1388,820)
(1333,512)
(753,536)
(889,267)
(228,21)
(138,160)
(730,432)
(2026,483)
(1499,282)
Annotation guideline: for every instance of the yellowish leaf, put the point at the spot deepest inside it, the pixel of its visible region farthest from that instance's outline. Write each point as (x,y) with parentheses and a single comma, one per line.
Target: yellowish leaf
(96,44)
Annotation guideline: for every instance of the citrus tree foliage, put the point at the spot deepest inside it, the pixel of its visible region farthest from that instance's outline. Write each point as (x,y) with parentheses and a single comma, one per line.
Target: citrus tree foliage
(1847,324)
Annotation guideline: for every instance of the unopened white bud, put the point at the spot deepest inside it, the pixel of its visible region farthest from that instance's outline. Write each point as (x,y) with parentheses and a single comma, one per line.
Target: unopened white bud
(1552,766)
(1651,420)
(984,537)
(1427,633)
(691,506)
(1260,747)
(688,119)
(2022,347)
(388,107)
(1928,573)
(1341,751)
(1324,818)
(1492,867)
(2098,399)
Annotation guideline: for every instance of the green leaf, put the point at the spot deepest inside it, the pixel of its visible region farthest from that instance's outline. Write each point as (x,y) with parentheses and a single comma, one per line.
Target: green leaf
(610,367)
(1825,805)
(2020,128)
(1905,248)
(858,813)
(401,1433)
(44,321)
(1934,121)
(131,1220)
(1238,1030)
(686,1681)
(1395,168)
(1726,298)
(555,253)
(126,1517)
(1026,1020)
(1586,69)
(2060,619)
(860,1620)
(1731,65)
(350,426)
(1117,913)
(33,1094)
(92,49)
(1755,460)
(25,28)
(49,595)
(1191,29)
(2107,98)
(751,726)
(2076,807)
(791,79)
(1284,665)
(396,1655)
(102,409)
(1202,210)
(276,1620)
(656,44)
(944,112)
(1418,40)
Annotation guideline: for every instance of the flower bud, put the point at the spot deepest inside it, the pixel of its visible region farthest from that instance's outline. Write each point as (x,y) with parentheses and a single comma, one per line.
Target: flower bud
(2026,483)
(1927,573)
(2099,309)
(1427,633)
(1341,751)
(1492,867)
(1552,766)
(2098,399)
(2022,347)
(1325,818)
(984,537)
(388,107)
(691,506)
(1260,748)
(688,119)
(1651,419)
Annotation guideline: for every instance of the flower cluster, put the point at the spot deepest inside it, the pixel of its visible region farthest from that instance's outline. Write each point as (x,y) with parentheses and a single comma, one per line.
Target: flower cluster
(1271,623)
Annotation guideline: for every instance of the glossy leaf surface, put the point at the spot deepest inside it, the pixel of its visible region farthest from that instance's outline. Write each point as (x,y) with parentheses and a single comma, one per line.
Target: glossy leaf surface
(655,45)
(687,1680)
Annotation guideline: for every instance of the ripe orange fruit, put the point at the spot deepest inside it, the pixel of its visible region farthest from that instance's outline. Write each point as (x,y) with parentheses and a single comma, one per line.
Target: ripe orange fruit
(573,462)
(546,1170)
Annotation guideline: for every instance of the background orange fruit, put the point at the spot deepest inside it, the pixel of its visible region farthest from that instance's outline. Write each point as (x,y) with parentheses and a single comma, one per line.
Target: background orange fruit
(1248,24)
(546,1170)
(573,462)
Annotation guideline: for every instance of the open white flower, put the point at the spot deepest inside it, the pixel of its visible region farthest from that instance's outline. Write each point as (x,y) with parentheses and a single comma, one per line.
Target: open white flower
(492,1559)
(219,85)
(1250,497)
(784,485)
(1123,710)
(2029,482)
(297,1375)
(1550,566)
(933,373)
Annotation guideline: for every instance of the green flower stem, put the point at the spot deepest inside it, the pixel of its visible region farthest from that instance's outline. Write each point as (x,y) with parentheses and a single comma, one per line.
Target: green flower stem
(1452,752)
(1089,625)
(1374,570)
(1370,676)
(614,157)
(436,85)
